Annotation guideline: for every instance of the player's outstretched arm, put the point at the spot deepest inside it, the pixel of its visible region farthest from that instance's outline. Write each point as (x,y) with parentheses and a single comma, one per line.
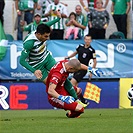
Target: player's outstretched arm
(49,23)
(95,71)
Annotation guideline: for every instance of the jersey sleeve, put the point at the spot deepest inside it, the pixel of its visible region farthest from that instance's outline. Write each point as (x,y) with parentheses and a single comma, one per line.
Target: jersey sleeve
(25,54)
(49,23)
(55,78)
(77,48)
(27,28)
(93,54)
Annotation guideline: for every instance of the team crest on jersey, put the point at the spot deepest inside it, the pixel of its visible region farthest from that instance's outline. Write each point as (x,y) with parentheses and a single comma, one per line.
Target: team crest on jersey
(84,55)
(41,49)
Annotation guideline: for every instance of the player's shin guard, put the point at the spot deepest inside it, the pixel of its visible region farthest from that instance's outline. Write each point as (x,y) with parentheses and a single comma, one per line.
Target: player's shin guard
(70,89)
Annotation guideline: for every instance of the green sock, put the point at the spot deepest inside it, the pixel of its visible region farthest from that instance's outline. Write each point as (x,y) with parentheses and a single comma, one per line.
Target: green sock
(70,89)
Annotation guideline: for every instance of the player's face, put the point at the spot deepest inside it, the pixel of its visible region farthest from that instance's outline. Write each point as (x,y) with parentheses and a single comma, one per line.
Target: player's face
(87,40)
(73,70)
(44,37)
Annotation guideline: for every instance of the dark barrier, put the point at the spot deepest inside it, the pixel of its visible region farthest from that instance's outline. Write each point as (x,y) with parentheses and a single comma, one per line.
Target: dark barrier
(32,95)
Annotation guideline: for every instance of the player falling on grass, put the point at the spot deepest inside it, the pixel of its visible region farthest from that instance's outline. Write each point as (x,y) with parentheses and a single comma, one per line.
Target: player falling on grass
(36,58)
(57,94)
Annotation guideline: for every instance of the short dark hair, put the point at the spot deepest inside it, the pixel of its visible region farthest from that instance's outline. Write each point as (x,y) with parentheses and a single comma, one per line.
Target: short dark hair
(43,28)
(72,13)
(88,35)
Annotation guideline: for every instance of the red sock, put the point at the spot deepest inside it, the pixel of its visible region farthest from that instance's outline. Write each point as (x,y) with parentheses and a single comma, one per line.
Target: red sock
(76,113)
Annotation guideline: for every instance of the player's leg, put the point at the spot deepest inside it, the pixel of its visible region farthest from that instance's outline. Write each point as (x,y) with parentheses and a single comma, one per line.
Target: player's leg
(70,89)
(74,114)
(77,77)
(44,72)
(83,101)
(76,109)
(74,82)
(45,67)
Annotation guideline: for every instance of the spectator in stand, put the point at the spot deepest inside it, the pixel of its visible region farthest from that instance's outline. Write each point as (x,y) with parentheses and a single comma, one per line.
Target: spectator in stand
(81,23)
(91,4)
(98,21)
(2,5)
(25,12)
(70,26)
(120,10)
(51,12)
(32,26)
(42,5)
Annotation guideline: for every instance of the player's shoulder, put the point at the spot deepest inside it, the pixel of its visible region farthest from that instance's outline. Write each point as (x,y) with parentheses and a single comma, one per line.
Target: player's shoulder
(30,37)
(91,48)
(80,45)
(59,67)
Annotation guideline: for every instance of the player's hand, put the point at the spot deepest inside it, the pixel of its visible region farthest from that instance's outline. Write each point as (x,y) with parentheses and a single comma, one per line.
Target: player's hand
(38,74)
(58,13)
(95,71)
(90,76)
(66,99)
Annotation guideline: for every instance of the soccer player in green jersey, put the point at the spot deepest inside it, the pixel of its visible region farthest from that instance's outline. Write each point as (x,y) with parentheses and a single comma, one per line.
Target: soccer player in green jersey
(36,58)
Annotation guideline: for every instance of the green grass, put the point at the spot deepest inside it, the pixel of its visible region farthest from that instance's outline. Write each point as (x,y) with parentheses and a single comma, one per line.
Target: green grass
(55,121)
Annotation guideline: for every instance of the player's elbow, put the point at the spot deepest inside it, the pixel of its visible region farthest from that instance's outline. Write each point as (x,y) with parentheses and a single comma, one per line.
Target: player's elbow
(50,91)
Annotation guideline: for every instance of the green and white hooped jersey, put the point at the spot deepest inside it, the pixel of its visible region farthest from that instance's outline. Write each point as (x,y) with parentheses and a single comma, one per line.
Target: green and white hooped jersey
(59,25)
(37,50)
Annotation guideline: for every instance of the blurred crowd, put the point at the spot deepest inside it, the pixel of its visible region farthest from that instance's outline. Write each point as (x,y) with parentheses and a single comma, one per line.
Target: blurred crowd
(74,25)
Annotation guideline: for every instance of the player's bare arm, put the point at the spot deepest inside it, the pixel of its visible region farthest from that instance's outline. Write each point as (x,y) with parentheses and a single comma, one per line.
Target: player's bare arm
(51,90)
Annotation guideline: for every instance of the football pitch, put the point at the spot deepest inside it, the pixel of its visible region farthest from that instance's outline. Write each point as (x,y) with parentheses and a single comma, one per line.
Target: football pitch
(55,121)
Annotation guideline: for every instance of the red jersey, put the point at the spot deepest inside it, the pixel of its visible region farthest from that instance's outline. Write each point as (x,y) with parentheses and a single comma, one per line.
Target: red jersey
(58,76)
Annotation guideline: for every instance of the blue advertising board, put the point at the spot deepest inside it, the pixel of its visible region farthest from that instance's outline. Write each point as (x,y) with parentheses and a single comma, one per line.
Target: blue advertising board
(114,57)
(32,95)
